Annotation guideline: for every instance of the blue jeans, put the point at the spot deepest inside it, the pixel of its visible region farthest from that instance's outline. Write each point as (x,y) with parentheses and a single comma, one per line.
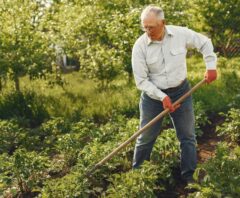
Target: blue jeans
(183,122)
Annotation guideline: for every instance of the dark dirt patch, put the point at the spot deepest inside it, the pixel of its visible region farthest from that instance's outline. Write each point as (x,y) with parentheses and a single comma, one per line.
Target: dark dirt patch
(208,142)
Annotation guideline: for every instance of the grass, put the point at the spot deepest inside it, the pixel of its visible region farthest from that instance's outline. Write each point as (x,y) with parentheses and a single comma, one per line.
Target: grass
(219,95)
(81,98)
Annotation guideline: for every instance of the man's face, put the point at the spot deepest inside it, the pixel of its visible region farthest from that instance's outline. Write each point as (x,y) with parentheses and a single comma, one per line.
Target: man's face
(153,26)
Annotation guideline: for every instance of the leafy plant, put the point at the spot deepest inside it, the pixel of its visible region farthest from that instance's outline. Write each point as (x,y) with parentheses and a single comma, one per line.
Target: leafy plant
(215,182)
(70,145)
(72,185)
(201,117)
(50,130)
(231,127)
(26,107)
(166,148)
(24,171)
(135,183)
(11,136)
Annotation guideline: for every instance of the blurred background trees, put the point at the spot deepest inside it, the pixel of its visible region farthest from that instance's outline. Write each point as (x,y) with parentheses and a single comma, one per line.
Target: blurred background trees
(221,20)
(98,35)
(25,46)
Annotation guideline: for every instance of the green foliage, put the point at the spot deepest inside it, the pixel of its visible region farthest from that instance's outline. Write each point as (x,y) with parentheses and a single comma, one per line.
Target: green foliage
(176,11)
(221,19)
(81,99)
(24,170)
(206,192)
(5,171)
(216,183)
(51,130)
(90,149)
(25,46)
(87,123)
(56,126)
(100,62)
(166,148)
(11,136)
(103,42)
(106,139)
(222,93)
(201,118)
(71,143)
(26,107)
(143,181)
(135,183)
(166,153)
(70,186)
(230,80)
(123,25)
(231,127)
(132,183)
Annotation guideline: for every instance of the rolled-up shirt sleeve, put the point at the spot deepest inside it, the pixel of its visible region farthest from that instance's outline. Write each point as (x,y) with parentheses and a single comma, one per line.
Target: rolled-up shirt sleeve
(204,45)
(141,74)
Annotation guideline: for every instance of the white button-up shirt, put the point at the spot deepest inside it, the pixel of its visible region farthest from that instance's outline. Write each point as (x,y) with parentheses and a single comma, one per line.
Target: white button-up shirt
(162,64)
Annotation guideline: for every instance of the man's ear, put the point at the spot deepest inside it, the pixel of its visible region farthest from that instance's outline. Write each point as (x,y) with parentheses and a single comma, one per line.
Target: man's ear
(164,22)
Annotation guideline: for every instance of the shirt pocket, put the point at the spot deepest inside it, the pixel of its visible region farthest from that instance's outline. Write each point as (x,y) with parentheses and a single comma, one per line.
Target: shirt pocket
(178,51)
(178,55)
(153,64)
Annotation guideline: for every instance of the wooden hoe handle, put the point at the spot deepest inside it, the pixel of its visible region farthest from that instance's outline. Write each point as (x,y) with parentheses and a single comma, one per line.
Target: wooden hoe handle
(137,133)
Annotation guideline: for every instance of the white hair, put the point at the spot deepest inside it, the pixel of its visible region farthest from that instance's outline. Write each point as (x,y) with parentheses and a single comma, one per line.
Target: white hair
(152,9)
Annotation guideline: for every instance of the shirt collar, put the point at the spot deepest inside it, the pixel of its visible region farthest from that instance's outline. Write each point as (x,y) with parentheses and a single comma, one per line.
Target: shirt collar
(168,31)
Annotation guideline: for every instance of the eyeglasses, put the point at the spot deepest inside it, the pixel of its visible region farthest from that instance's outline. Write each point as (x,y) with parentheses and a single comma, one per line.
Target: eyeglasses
(149,28)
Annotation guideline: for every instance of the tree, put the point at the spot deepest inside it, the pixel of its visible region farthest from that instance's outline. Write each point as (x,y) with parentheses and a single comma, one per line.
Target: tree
(81,33)
(101,63)
(25,46)
(222,22)
(101,33)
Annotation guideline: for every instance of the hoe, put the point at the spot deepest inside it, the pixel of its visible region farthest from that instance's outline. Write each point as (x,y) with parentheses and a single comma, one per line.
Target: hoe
(137,133)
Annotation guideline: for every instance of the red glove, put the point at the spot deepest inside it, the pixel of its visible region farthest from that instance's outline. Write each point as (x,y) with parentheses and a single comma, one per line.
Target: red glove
(210,75)
(168,104)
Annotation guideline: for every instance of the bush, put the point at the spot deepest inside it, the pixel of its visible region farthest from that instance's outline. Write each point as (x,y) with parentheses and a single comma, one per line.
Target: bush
(24,171)
(27,107)
(221,174)
(50,130)
(70,145)
(135,183)
(231,127)
(56,126)
(11,136)
(201,117)
(166,148)
(72,185)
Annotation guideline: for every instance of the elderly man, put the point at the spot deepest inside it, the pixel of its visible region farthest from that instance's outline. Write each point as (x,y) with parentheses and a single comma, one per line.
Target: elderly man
(160,72)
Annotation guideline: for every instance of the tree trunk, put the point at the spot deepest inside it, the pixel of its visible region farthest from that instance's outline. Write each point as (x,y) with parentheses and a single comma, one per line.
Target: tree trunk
(17,83)
(1,84)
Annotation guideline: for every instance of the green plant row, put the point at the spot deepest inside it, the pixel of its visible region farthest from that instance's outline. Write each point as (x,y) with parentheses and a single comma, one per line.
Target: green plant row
(43,161)
(231,127)
(219,176)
